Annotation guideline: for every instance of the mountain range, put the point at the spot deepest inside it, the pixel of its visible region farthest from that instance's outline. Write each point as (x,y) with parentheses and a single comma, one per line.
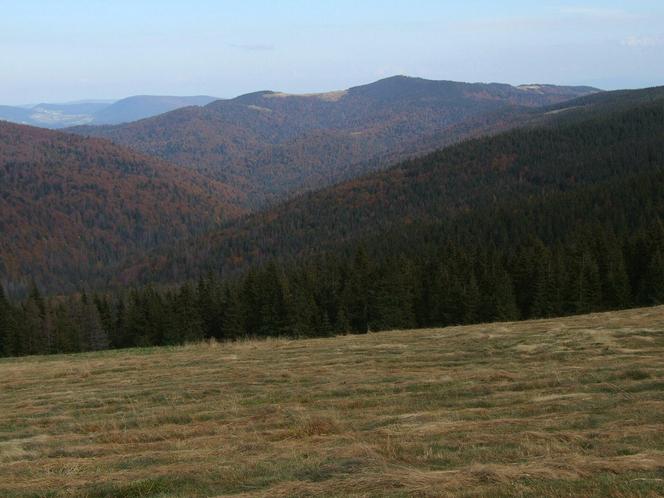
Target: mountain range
(272,145)
(97,112)
(84,211)
(574,167)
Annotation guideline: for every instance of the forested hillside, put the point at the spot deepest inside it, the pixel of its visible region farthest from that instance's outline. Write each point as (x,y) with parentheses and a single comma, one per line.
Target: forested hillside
(515,167)
(532,223)
(272,145)
(72,206)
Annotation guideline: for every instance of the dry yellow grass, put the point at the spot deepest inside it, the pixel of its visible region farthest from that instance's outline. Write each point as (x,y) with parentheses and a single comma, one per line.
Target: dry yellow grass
(566,407)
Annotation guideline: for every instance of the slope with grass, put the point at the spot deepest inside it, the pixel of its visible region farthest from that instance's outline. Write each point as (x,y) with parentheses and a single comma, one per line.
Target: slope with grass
(566,407)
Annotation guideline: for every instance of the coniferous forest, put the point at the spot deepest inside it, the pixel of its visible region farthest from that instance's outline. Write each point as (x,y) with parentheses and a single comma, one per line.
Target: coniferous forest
(593,271)
(569,220)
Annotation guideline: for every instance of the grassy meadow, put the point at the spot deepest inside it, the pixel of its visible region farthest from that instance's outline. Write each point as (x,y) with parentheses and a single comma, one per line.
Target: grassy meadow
(564,407)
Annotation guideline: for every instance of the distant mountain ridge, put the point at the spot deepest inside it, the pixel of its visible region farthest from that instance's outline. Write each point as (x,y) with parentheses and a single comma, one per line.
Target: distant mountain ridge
(55,116)
(146,106)
(273,145)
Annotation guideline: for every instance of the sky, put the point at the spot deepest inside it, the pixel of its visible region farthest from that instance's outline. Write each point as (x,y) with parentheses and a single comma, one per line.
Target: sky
(67,50)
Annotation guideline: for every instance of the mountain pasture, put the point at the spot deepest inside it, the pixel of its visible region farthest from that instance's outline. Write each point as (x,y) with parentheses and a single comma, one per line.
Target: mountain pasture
(560,407)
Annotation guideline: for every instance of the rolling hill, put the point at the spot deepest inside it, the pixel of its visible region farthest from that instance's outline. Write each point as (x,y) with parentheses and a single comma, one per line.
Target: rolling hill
(71,206)
(145,106)
(272,145)
(14,114)
(57,116)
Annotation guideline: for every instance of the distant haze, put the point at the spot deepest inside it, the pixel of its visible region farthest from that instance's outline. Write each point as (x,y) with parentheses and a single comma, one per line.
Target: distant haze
(72,50)
(48,115)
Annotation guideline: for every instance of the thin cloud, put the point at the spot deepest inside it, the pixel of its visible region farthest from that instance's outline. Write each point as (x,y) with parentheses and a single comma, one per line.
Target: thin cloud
(258,47)
(600,13)
(559,18)
(643,41)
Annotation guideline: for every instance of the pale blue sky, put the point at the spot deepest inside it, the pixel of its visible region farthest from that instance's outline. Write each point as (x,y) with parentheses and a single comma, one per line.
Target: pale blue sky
(60,50)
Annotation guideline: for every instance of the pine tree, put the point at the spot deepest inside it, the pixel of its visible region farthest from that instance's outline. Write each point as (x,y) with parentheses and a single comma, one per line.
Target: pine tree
(505,302)
(342,322)
(186,316)
(120,337)
(95,337)
(356,294)
(472,301)
(106,317)
(653,283)
(589,287)
(615,281)
(6,324)
(305,316)
(326,329)
(250,298)
(523,271)
(210,307)
(137,326)
(36,337)
(67,325)
(451,295)
(391,300)
(232,315)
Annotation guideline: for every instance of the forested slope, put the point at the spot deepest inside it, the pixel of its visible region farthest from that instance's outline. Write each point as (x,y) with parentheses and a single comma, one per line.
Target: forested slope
(515,167)
(533,223)
(272,145)
(72,206)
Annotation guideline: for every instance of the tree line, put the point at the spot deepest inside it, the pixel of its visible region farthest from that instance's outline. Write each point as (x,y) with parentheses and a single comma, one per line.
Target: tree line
(354,292)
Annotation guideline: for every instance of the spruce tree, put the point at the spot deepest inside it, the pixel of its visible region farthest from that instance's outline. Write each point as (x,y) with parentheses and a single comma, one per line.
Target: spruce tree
(35,337)
(357,293)
(232,315)
(505,303)
(186,316)
(5,318)
(653,283)
(472,301)
(589,287)
(95,337)
(209,306)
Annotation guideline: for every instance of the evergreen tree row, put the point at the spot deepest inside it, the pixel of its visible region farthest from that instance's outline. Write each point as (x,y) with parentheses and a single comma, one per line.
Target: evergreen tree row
(355,292)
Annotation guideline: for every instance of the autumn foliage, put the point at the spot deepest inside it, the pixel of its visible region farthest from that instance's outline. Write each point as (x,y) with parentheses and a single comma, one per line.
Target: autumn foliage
(72,205)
